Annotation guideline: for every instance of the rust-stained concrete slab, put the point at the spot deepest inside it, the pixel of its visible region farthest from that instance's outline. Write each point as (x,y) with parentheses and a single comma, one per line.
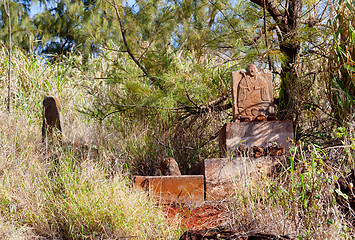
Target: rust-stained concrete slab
(225,176)
(251,134)
(140,182)
(172,189)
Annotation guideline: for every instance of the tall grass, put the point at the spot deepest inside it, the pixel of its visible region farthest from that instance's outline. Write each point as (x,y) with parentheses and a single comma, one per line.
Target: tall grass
(63,192)
(302,201)
(81,189)
(341,87)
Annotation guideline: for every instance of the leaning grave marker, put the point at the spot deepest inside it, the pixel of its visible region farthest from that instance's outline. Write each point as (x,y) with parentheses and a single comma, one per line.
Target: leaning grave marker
(253,106)
(51,117)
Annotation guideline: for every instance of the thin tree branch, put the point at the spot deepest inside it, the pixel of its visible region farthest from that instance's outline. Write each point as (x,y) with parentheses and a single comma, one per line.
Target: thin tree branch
(214,136)
(123,33)
(188,97)
(7,10)
(274,12)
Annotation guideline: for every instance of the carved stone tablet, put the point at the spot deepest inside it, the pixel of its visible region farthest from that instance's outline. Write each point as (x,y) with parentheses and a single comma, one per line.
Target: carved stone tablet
(252,93)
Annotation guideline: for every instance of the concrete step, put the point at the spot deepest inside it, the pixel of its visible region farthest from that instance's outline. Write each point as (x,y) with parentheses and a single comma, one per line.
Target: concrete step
(249,134)
(172,189)
(225,176)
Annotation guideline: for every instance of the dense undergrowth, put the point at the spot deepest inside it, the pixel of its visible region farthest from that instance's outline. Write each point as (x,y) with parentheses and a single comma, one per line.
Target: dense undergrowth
(71,191)
(82,188)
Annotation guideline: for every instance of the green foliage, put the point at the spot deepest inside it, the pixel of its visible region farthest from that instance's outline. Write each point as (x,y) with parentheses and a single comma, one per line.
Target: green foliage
(128,104)
(21,25)
(341,84)
(62,27)
(58,192)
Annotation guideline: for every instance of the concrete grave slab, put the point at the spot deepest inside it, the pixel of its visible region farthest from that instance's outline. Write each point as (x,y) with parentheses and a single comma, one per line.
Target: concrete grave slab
(251,134)
(141,183)
(172,189)
(224,176)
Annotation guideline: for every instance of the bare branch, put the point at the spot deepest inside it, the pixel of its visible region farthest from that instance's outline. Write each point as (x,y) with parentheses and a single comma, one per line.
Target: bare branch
(123,33)
(274,12)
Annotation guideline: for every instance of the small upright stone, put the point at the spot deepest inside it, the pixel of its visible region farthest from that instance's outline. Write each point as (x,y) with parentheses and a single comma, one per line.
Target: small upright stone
(169,167)
(51,117)
(252,93)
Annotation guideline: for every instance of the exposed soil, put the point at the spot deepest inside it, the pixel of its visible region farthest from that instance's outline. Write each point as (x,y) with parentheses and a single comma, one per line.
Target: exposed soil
(209,222)
(199,218)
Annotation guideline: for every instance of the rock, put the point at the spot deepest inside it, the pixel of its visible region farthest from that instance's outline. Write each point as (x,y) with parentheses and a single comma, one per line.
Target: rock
(241,151)
(51,118)
(258,151)
(169,167)
(260,118)
(276,151)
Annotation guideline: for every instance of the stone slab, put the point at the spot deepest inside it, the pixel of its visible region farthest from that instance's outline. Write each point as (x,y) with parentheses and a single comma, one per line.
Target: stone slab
(224,176)
(172,189)
(140,182)
(251,134)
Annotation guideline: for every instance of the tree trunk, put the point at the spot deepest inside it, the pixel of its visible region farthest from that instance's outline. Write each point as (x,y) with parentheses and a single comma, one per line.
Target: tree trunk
(287,23)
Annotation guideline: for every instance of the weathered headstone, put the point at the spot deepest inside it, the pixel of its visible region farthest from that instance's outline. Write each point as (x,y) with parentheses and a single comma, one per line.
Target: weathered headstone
(254,143)
(252,93)
(51,117)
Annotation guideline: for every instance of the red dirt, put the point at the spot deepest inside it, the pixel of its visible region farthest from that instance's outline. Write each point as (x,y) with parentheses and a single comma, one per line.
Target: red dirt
(202,217)
(208,222)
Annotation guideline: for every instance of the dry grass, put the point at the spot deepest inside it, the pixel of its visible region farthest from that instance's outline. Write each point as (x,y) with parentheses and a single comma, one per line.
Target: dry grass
(81,189)
(63,192)
(300,202)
